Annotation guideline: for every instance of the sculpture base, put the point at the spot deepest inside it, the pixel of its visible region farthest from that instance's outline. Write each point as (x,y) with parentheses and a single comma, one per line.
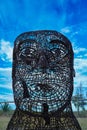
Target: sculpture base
(62,121)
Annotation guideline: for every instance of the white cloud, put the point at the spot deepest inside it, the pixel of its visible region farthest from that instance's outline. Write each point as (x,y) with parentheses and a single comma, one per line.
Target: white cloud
(80,78)
(6,78)
(80,66)
(78,50)
(7,85)
(5,50)
(6,72)
(65,30)
(85,55)
(6,69)
(6,97)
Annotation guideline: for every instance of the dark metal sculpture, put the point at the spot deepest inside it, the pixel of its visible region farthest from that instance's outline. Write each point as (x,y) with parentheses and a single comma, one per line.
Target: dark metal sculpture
(43,82)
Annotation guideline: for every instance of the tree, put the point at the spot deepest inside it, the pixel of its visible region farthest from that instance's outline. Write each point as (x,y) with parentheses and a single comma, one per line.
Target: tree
(78,99)
(5,107)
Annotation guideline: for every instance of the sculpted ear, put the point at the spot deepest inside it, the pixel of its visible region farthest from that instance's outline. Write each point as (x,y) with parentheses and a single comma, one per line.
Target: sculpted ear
(74,74)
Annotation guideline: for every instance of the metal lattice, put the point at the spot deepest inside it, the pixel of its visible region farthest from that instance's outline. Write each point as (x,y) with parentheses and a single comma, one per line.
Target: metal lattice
(43,82)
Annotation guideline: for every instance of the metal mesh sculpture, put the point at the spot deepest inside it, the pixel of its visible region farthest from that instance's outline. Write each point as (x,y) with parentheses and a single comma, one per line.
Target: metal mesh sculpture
(43,82)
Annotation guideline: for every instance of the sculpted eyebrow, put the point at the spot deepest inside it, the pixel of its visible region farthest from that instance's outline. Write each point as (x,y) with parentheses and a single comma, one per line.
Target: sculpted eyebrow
(55,41)
(24,41)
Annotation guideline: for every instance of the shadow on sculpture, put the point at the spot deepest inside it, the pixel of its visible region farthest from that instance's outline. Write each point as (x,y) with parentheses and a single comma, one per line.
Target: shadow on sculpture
(43,82)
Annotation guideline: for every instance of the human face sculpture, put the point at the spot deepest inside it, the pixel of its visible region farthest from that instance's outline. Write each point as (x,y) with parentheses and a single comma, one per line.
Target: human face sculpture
(43,65)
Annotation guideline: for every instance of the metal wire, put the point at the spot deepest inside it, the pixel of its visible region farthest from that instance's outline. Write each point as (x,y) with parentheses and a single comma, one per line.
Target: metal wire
(43,82)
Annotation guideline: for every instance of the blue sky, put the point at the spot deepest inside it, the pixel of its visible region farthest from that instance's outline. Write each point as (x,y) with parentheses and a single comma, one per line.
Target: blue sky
(66,16)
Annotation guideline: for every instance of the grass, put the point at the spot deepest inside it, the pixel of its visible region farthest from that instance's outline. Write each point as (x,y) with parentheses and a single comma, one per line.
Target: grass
(3,122)
(5,118)
(83,123)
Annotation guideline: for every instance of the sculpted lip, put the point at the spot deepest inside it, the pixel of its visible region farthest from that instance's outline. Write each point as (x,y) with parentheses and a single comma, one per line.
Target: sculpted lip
(44,87)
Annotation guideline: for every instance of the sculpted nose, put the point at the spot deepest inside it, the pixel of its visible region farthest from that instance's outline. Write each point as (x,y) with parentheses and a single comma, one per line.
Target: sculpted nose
(43,63)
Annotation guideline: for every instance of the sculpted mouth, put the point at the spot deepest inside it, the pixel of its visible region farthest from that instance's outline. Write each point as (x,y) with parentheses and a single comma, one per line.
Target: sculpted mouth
(44,87)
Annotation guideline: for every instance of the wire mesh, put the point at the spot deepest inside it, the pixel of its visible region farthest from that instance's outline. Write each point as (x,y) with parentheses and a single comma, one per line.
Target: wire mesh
(43,82)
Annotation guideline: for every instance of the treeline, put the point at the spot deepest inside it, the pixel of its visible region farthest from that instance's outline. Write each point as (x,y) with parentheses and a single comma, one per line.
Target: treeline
(80,99)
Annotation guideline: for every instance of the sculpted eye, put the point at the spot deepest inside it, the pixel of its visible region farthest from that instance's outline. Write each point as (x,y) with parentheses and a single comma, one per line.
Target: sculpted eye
(59,49)
(56,52)
(27,49)
(28,55)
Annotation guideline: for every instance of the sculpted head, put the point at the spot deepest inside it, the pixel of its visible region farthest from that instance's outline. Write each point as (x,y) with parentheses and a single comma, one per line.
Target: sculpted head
(43,60)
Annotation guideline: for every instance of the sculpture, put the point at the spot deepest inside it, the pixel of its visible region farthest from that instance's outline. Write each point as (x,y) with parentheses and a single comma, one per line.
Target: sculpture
(43,82)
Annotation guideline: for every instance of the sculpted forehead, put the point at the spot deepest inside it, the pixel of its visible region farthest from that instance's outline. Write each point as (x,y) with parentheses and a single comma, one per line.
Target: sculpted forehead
(36,35)
(40,38)
(44,42)
(44,37)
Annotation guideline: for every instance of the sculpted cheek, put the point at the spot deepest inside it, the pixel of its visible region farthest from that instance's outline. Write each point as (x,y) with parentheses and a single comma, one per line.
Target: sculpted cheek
(43,82)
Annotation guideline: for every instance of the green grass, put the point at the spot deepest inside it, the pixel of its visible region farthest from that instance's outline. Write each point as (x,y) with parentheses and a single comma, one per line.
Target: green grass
(5,118)
(3,122)
(83,123)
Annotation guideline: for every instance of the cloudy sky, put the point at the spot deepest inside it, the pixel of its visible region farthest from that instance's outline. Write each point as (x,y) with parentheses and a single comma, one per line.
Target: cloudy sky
(66,16)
